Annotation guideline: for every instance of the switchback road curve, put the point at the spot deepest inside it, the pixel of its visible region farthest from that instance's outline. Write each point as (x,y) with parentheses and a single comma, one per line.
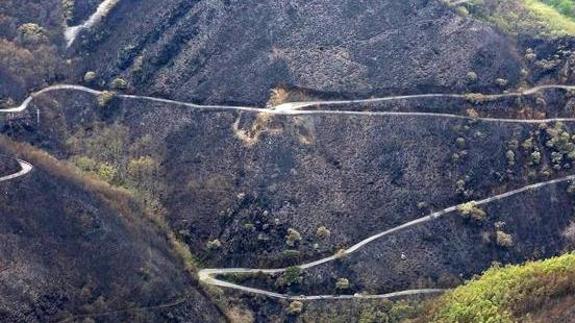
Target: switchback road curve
(207,276)
(25,168)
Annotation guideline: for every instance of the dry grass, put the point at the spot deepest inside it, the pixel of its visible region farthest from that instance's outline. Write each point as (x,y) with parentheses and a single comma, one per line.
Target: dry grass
(262,124)
(278,95)
(117,198)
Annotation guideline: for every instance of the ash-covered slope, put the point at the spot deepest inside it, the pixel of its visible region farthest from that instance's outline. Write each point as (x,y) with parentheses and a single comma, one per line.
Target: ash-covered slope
(74,249)
(235,51)
(8,166)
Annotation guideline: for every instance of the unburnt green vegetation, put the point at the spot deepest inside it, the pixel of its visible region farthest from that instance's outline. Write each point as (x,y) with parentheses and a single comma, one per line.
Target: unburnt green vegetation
(565,7)
(547,18)
(121,260)
(508,294)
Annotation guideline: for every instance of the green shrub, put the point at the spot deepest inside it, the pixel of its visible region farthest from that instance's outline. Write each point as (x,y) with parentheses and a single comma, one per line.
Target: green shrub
(535,158)
(322,232)
(471,77)
(462,11)
(106,172)
(291,276)
(31,34)
(503,239)
(470,210)
(90,76)
(295,307)
(565,7)
(510,155)
(460,142)
(105,98)
(342,283)
(542,18)
(213,244)
(501,82)
(68,9)
(85,163)
(291,253)
(292,237)
(119,84)
(528,144)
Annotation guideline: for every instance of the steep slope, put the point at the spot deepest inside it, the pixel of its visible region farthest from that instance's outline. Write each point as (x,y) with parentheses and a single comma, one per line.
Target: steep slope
(533,292)
(224,51)
(544,18)
(8,165)
(74,248)
(247,179)
(262,190)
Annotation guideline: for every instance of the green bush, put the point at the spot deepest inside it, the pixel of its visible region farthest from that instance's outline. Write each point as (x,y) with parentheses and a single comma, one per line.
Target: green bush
(119,84)
(90,76)
(31,34)
(213,244)
(292,237)
(342,283)
(535,158)
(501,82)
(503,239)
(291,253)
(85,163)
(471,210)
(291,276)
(542,18)
(471,77)
(68,9)
(462,11)
(106,172)
(295,307)
(460,142)
(510,155)
(565,7)
(322,232)
(105,98)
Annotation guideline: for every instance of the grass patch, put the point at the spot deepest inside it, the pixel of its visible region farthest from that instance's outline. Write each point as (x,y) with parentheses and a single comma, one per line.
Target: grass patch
(565,7)
(506,294)
(545,19)
(557,23)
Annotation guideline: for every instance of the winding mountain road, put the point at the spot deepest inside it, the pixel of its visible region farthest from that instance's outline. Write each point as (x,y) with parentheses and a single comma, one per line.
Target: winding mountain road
(207,276)
(296,108)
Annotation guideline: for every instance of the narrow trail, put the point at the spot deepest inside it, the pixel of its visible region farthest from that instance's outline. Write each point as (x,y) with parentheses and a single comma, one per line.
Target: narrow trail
(296,108)
(206,276)
(71,32)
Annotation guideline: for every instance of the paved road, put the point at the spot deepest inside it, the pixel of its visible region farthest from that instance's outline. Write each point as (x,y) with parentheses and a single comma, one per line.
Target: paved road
(296,108)
(25,168)
(207,275)
(71,32)
(292,106)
